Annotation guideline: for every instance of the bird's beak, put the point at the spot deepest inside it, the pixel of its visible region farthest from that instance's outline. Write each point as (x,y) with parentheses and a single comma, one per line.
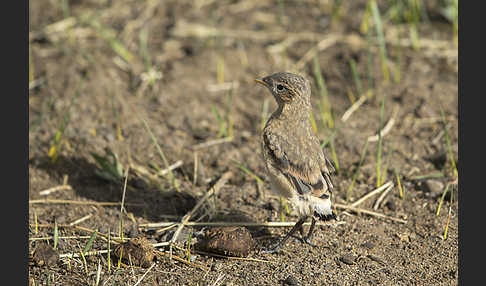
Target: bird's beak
(260,81)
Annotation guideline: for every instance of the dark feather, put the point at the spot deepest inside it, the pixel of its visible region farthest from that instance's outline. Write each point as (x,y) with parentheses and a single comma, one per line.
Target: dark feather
(302,187)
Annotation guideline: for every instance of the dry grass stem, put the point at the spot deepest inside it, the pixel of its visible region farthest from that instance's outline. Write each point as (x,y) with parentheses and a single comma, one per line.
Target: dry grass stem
(55,201)
(225,86)
(186,29)
(76,255)
(385,129)
(160,244)
(197,265)
(353,108)
(381,197)
(231,257)
(245,224)
(211,143)
(329,41)
(170,168)
(80,220)
(60,237)
(372,193)
(85,229)
(55,189)
(124,191)
(368,212)
(143,276)
(143,171)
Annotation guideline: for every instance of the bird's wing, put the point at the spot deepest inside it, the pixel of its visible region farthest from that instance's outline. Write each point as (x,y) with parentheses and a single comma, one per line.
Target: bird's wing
(307,171)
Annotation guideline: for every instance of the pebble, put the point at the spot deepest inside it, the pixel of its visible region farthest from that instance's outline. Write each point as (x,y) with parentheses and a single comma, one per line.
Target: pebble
(291,280)
(347,259)
(391,206)
(433,188)
(368,245)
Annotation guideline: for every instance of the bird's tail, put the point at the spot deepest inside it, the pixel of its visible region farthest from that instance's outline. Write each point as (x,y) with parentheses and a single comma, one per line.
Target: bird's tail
(322,208)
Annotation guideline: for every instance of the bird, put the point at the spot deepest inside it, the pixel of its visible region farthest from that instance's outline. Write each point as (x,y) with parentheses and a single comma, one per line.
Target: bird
(295,163)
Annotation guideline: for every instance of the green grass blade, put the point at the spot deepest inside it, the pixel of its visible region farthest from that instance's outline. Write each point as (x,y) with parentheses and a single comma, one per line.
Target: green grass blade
(355,176)
(385,168)
(89,243)
(164,159)
(441,201)
(381,39)
(324,104)
(221,123)
(357,80)
(448,141)
(428,176)
(248,171)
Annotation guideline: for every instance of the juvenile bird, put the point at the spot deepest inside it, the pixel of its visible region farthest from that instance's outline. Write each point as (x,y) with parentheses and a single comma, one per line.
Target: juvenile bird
(296,165)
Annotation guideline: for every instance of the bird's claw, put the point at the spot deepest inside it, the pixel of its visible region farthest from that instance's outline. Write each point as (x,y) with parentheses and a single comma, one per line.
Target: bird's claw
(307,240)
(271,250)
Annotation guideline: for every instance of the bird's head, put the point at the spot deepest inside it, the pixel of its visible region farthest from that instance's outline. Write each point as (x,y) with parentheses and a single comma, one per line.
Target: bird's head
(288,88)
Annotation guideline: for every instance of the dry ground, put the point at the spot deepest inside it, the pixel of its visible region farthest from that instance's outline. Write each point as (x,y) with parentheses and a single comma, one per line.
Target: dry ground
(99,69)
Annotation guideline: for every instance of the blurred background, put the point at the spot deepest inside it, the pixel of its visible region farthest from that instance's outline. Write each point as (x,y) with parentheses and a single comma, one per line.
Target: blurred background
(165,89)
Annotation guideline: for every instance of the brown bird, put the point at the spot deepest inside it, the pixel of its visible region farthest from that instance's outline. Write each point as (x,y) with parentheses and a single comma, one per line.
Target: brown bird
(296,165)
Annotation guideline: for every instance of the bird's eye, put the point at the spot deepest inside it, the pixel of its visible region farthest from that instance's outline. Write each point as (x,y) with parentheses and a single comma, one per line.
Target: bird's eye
(280,87)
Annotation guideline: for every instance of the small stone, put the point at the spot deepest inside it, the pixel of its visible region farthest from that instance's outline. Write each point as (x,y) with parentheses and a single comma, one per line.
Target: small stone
(433,188)
(291,280)
(140,184)
(61,219)
(391,205)
(368,245)
(348,259)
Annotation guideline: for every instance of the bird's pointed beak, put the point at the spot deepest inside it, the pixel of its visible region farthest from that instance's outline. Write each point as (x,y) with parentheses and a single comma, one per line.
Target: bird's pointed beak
(261,81)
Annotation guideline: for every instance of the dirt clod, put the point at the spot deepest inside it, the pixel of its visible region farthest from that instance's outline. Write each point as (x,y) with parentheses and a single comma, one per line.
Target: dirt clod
(44,254)
(231,241)
(138,250)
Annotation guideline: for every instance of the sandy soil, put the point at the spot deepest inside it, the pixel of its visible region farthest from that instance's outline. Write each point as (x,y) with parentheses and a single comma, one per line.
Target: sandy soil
(100,68)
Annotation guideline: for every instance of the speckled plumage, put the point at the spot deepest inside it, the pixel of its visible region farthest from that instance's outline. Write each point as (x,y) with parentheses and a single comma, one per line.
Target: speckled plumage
(296,165)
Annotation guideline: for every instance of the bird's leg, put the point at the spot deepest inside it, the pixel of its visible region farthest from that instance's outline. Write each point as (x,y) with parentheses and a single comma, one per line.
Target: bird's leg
(307,238)
(276,248)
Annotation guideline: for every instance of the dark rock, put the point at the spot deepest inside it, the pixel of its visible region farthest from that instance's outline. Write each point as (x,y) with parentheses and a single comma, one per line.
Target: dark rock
(433,188)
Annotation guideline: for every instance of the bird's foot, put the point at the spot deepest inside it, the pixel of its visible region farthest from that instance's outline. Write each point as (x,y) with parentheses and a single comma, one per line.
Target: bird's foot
(308,241)
(272,250)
